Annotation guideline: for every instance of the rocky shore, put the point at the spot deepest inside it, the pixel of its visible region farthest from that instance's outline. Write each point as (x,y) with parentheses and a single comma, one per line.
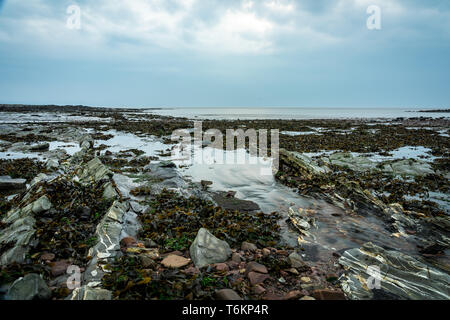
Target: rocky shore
(92,208)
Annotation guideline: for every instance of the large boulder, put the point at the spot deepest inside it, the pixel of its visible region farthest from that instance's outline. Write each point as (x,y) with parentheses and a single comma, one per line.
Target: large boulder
(375,273)
(207,249)
(30,287)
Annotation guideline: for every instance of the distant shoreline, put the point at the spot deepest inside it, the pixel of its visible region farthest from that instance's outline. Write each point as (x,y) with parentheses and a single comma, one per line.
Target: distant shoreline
(66,108)
(434,111)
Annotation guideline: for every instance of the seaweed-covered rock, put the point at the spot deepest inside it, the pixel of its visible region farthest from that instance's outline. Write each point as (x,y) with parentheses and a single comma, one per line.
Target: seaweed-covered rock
(400,276)
(207,249)
(40,146)
(30,287)
(86,142)
(411,168)
(95,170)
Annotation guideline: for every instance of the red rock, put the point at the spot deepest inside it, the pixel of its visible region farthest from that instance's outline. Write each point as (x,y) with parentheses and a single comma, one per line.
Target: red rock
(47,256)
(293,295)
(271,296)
(237,281)
(327,294)
(256,267)
(232,264)
(258,289)
(128,242)
(191,270)
(257,278)
(59,267)
(227,294)
(221,267)
(233,272)
(174,261)
(282,252)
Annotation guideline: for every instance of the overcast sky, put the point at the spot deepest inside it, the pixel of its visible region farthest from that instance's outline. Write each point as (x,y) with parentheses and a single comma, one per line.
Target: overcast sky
(226,53)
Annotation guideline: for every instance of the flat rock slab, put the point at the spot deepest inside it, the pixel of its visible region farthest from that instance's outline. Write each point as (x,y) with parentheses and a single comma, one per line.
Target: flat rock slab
(174,261)
(40,146)
(7,183)
(230,203)
(375,273)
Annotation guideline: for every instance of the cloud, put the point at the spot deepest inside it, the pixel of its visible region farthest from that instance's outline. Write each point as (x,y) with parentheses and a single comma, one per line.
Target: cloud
(113,29)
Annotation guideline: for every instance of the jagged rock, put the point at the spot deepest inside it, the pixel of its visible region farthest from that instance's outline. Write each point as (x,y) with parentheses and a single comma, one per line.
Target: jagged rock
(308,163)
(40,177)
(108,234)
(7,183)
(19,234)
(87,293)
(52,164)
(86,142)
(16,254)
(110,192)
(30,287)
(95,170)
(400,276)
(303,164)
(299,221)
(207,249)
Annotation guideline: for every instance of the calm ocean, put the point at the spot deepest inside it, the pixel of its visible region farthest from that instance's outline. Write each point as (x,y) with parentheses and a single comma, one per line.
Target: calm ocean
(293,113)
